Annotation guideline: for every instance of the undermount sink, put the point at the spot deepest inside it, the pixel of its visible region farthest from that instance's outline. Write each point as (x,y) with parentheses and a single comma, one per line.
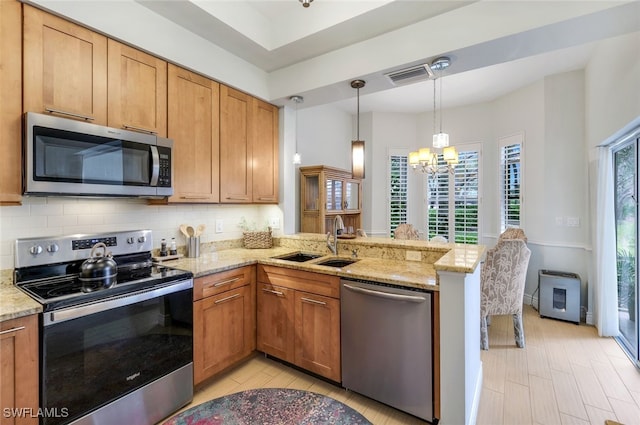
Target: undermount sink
(336,262)
(298,257)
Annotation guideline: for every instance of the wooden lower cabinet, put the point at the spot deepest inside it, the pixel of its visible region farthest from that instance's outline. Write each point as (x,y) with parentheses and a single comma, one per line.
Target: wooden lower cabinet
(19,370)
(299,319)
(317,334)
(276,310)
(224,321)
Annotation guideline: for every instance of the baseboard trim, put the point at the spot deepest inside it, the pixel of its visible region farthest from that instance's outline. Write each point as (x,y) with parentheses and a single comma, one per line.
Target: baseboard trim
(476,398)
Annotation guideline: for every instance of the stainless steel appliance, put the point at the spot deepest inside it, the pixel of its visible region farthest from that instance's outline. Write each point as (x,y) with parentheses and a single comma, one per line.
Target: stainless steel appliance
(69,157)
(109,354)
(386,334)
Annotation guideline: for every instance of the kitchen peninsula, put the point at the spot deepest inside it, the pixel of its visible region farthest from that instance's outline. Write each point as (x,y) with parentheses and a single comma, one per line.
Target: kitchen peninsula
(449,271)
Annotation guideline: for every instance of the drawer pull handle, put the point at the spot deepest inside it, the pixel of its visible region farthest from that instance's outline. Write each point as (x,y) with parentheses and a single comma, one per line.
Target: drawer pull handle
(237,198)
(309,300)
(226,282)
(278,293)
(70,114)
(142,130)
(227,298)
(8,331)
(264,198)
(193,197)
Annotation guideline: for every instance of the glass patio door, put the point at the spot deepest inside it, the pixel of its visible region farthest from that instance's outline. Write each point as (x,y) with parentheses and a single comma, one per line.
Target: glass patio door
(625,160)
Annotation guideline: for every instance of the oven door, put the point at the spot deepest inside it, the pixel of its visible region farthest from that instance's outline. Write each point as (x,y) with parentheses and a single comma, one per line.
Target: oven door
(69,157)
(96,353)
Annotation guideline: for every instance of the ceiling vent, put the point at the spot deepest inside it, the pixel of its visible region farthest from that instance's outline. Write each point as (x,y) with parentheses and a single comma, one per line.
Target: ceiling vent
(410,75)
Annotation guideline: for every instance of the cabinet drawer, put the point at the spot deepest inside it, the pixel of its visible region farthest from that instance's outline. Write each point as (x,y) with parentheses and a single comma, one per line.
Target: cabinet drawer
(207,286)
(315,283)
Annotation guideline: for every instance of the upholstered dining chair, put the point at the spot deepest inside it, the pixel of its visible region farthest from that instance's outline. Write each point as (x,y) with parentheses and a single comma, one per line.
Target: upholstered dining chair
(513,233)
(502,280)
(406,231)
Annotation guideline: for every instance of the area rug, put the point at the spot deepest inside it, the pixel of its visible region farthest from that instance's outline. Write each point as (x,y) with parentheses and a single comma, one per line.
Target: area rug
(270,406)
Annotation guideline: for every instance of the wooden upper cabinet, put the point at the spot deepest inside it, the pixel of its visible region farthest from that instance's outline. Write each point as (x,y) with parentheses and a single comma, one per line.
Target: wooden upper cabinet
(10,102)
(235,147)
(137,87)
(193,124)
(65,68)
(265,153)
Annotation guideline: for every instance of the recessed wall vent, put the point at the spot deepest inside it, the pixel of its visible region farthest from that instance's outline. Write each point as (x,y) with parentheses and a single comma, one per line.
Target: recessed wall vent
(410,75)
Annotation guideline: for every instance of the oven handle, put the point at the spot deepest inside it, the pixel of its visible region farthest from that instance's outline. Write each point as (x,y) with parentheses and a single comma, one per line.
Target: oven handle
(58,316)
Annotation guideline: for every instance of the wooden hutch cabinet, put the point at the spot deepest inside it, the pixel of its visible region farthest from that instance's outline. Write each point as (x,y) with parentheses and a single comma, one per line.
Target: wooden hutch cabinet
(326,192)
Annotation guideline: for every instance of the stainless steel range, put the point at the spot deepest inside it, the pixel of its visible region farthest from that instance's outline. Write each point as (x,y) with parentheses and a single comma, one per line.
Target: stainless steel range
(116,353)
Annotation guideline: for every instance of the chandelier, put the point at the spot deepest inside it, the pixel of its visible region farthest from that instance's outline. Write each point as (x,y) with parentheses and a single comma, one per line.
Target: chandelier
(424,159)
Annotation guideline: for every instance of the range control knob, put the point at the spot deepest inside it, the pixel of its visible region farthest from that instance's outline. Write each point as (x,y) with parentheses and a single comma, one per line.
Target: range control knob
(142,239)
(130,240)
(35,250)
(53,248)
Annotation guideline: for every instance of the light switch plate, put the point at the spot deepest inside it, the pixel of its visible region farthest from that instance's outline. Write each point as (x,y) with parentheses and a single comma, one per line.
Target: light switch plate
(219,225)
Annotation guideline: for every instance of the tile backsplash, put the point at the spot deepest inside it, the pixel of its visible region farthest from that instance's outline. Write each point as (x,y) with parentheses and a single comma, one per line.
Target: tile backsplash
(51,216)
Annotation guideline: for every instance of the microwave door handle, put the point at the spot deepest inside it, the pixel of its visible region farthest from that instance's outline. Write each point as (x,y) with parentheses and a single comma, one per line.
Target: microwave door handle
(155,167)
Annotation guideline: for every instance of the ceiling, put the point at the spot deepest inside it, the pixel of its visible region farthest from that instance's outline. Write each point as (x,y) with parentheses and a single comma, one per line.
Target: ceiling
(283,39)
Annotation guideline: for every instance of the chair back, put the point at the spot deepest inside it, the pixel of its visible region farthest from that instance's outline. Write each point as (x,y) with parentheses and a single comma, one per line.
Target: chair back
(513,233)
(406,231)
(503,277)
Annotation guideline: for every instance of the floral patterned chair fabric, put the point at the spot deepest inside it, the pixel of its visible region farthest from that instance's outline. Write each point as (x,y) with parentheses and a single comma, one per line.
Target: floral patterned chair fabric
(513,233)
(406,231)
(502,280)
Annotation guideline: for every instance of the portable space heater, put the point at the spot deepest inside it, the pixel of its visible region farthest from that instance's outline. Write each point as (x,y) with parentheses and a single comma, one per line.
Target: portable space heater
(559,295)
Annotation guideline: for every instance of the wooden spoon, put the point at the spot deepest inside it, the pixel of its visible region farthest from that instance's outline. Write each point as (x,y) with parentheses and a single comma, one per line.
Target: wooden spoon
(183,229)
(200,229)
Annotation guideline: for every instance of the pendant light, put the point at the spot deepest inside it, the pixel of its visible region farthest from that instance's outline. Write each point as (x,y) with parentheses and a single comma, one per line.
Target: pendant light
(357,146)
(440,139)
(305,3)
(296,157)
(425,159)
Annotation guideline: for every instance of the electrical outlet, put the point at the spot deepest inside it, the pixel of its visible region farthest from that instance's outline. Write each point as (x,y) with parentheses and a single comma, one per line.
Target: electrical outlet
(219,225)
(414,256)
(274,222)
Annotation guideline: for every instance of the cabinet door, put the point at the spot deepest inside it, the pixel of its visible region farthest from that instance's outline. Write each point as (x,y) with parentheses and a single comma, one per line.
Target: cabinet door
(334,188)
(224,331)
(352,195)
(317,334)
(193,124)
(19,367)
(275,321)
(137,88)
(11,103)
(264,151)
(235,149)
(65,68)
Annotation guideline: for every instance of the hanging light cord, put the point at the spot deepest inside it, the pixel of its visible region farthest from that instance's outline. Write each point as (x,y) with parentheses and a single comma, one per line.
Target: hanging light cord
(440,103)
(296,126)
(434,107)
(358,116)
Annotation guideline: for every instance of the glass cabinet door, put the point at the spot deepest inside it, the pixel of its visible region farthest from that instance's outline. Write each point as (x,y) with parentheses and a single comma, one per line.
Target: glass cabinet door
(311,193)
(334,195)
(352,196)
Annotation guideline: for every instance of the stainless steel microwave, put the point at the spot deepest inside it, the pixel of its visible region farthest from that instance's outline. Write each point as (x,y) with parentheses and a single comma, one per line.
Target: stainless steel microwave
(75,158)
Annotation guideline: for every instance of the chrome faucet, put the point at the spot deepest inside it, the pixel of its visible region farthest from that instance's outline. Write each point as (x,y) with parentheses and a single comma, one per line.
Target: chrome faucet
(338,224)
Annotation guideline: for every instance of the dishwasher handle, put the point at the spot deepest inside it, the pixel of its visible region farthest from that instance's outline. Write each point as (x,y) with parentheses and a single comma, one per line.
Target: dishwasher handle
(387,295)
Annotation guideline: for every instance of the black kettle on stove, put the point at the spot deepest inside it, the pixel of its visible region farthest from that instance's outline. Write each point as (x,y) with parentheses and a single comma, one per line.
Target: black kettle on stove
(99,271)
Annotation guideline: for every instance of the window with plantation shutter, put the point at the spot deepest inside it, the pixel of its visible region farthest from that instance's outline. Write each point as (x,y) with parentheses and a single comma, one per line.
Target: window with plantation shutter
(438,203)
(465,183)
(398,191)
(510,181)
(452,199)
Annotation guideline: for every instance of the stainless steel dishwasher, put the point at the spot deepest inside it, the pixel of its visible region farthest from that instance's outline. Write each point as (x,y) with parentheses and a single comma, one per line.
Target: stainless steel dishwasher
(387,345)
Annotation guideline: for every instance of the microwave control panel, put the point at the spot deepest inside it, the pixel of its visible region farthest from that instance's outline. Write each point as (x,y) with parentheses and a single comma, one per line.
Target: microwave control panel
(164,177)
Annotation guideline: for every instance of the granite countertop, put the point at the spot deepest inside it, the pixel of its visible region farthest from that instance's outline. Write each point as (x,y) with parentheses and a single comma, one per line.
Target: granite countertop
(383,267)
